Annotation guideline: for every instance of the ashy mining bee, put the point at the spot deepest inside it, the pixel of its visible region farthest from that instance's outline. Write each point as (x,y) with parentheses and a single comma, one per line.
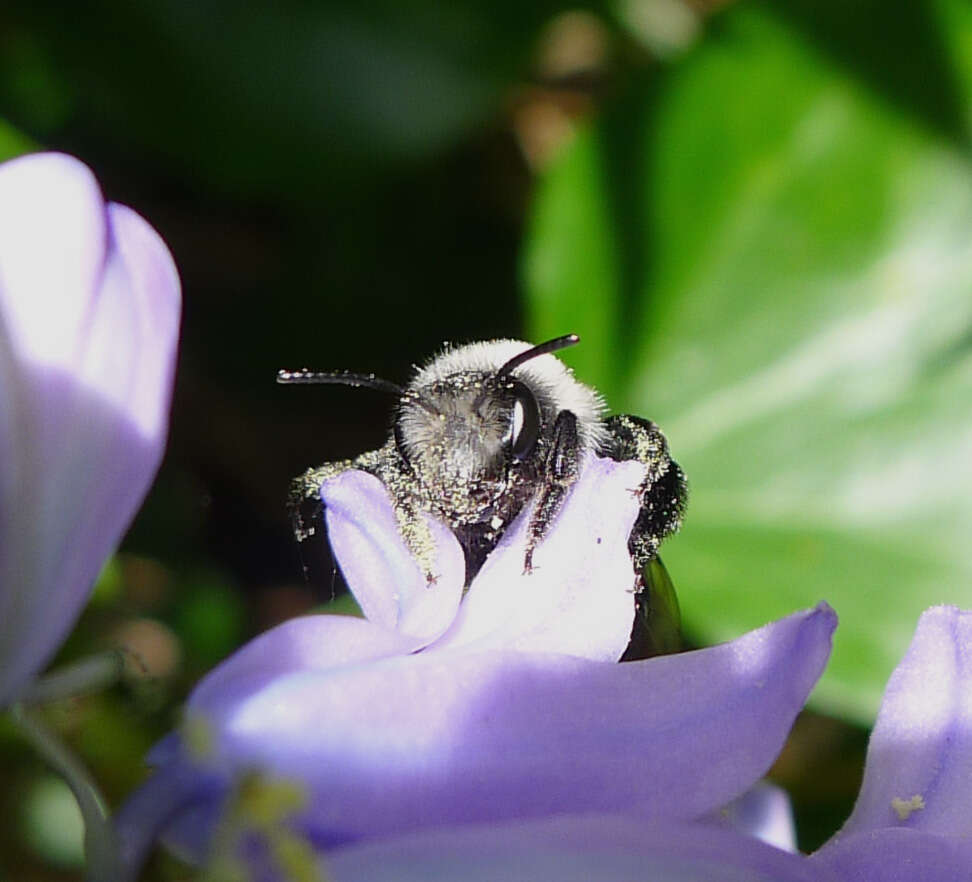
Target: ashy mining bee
(483,429)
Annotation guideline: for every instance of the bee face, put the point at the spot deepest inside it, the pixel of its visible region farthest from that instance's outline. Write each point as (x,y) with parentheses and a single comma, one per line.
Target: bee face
(459,427)
(470,438)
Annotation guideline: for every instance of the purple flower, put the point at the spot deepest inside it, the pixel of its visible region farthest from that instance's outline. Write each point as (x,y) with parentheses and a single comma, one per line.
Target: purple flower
(89,316)
(913,816)
(501,705)
(911,820)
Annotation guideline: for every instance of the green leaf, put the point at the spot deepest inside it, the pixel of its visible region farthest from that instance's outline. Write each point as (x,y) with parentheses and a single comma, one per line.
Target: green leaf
(776,264)
(899,49)
(12,142)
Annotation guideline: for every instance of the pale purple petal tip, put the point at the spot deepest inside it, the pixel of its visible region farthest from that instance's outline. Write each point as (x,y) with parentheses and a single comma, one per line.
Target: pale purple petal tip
(89,314)
(380,570)
(579,597)
(150,284)
(53,233)
(919,761)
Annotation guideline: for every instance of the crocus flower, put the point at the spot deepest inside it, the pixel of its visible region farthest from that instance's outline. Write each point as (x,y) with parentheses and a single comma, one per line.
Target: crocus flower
(89,316)
(505,704)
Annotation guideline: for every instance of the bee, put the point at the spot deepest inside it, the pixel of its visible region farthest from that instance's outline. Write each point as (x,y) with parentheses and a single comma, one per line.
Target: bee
(483,429)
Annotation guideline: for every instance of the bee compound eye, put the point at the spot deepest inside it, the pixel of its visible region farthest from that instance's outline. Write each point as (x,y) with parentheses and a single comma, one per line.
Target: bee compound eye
(524,422)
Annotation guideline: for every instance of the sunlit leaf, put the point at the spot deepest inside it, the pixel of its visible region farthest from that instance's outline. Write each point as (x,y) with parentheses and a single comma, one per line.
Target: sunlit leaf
(777,267)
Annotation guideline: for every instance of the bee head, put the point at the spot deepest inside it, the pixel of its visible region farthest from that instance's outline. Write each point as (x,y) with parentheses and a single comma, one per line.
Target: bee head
(467,424)
(478,419)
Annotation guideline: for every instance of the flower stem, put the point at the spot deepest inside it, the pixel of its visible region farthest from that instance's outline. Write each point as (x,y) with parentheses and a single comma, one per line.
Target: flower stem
(99,846)
(91,674)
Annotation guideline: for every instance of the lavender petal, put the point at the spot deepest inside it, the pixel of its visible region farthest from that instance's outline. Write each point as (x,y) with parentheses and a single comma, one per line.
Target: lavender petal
(89,315)
(408,742)
(919,760)
(381,572)
(579,597)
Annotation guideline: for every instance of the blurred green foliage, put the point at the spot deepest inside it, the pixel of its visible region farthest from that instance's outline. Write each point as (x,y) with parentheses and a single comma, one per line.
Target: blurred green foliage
(12,142)
(292,99)
(772,242)
(757,217)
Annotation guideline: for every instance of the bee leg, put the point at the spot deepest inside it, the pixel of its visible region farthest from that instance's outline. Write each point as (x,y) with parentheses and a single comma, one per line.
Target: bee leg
(662,505)
(561,468)
(415,531)
(663,492)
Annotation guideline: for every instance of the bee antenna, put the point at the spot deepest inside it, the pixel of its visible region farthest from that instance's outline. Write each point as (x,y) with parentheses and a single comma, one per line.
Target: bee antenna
(540,349)
(339,378)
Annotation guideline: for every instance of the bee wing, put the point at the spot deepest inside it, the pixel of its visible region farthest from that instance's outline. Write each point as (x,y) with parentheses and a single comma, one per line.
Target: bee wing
(657,626)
